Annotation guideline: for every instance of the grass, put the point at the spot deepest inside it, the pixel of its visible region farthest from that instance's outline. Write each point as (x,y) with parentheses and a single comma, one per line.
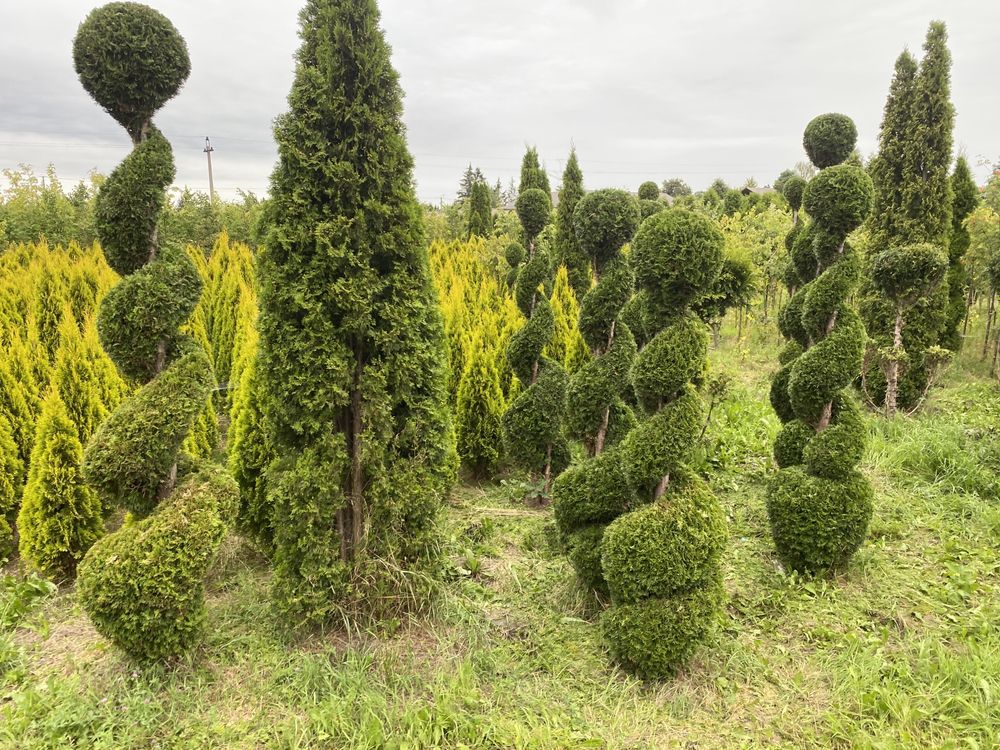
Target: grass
(901,651)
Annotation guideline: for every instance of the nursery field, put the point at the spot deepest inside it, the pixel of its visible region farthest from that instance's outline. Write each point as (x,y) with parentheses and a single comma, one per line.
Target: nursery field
(900,650)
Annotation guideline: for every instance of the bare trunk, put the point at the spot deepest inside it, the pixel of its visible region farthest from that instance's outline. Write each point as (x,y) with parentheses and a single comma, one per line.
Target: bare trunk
(989,322)
(969,298)
(661,488)
(892,376)
(547,487)
(602,433)
(740,312)
(355,517)
(827,414)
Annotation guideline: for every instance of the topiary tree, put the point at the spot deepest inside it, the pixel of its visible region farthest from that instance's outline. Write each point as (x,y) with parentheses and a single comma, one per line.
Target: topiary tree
(819,505)
(734,288)
(904,274)
(965,198)
(60,517)
(533,176)
(250,454)
(567,248)
(77,380)
(479,411)
(648,191)
(352,347)
(11,482)
(591,494)
(131,59)
(532,424)
(913,205)
(662,560)
(480,210)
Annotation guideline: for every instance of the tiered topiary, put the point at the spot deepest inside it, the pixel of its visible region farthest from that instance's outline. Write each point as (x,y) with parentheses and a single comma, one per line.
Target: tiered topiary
(567,248)
(662,560)
(142,585)
(533,430)
(593,493)
(819,504)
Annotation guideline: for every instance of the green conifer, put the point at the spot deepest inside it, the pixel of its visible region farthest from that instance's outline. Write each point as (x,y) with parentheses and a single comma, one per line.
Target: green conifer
(60,517)
(352,351)
(11,483)
(567,249)
(479,411)
(533,176)
(76,380)
(480,211)
(966,198)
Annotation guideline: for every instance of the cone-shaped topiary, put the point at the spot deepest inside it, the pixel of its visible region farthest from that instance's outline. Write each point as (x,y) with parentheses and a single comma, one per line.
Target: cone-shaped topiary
(479,411)
(480,210)
(249,456)
(60,516)
(132,60)
(11,482)
(661,561)
(532,425)
(567,248)
(352,347)
(591,494)
(819,504)
(77,380)
(965,196)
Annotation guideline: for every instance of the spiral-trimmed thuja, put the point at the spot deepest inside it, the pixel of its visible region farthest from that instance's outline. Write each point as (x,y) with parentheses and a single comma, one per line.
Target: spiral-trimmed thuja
(533,431)
(594,492)
(819,504)
(661,561)
(142,585)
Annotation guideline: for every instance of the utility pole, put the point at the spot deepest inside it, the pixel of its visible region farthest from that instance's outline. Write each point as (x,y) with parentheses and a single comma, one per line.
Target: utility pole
(211,180)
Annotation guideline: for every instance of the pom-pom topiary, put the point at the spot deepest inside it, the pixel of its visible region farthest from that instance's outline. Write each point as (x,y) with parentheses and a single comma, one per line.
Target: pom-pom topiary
(649,191)
(132,60)
(793,190)
(594,492)
(661,561)
(533,209)
(818,504)
(829,139)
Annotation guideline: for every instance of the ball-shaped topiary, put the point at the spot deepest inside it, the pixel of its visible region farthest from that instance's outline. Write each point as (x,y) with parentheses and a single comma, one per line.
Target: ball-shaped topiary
(142,585)
(649,191)
(793,190)
(829,139)
(533,209)
(594,492)
(661,561)
(818,504)
(131,60)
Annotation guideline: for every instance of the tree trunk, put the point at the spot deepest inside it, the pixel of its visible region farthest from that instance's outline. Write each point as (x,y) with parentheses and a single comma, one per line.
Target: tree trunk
(355,517)
(969,298)
(661,488)
(989,322)
(892,376)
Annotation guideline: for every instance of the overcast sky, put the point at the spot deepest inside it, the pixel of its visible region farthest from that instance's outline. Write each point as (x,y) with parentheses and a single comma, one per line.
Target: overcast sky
(645,89)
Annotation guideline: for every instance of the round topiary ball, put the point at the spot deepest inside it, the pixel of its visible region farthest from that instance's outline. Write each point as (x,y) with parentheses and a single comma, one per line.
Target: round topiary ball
(533,209)
(840,198)
(132,60)
(793,190)
(604,221)
(829,139)
(648,191)
(902,272)
(679,254)
(514,254)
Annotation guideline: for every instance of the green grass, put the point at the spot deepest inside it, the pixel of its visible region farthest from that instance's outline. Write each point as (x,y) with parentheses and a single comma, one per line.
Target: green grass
(902,650)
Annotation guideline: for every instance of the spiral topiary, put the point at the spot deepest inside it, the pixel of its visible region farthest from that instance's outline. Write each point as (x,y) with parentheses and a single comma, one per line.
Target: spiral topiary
(662,561)
(532,425)
(593,493)
(819,504)
(142,585)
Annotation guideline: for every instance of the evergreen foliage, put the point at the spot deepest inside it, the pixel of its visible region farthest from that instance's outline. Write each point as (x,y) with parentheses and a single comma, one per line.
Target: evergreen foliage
(132,60)
(819,505)
(567,250)
(532,424)
(11,482)
(533,176)
(648,191)
(60,517)
(596,412)
(661,560)
(480,211)
(913,206)
(352,350)
(965,199)
(479,411)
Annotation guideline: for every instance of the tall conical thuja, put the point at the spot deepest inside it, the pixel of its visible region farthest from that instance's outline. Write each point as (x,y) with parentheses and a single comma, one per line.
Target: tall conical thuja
(142,586)
(819,504)
(352,350)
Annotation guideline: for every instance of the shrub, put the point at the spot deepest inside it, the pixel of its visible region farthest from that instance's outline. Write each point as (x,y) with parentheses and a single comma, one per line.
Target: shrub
(11,481)
(143,586)
(478,412)
(818,504)
(648,191)
(661,561)
(60,516)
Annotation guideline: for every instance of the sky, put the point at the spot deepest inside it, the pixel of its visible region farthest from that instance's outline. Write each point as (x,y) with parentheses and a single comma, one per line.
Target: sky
(644,89)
